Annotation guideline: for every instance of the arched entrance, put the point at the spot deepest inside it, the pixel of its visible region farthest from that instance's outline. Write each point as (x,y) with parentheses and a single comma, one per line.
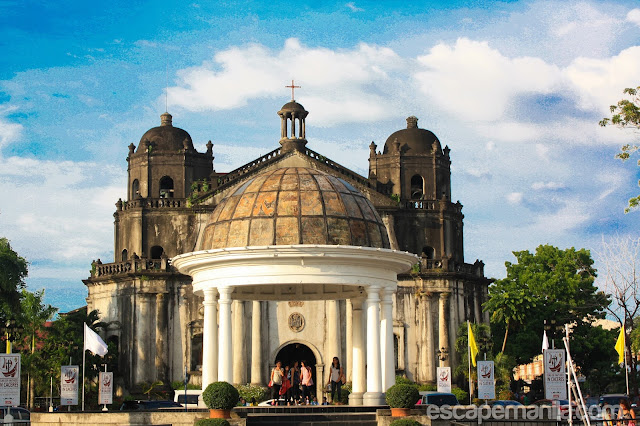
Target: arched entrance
(293,352)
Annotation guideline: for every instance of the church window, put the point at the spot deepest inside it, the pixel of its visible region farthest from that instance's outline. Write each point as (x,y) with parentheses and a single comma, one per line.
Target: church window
(156,252)
(166,187)
(428,252)
(417,187)
(135,189)
(396,349)
(125,255)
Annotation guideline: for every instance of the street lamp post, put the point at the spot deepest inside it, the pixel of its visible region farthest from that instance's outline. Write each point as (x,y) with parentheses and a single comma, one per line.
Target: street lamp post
(443,354)
(552,327)
(10,329)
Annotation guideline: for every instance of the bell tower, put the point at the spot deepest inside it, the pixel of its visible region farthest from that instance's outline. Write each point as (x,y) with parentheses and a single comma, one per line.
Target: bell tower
(415,171)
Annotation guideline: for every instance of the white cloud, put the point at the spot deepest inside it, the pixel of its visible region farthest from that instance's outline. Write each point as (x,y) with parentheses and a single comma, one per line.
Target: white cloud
(55,211)
(598,83)
(538,186)
(634,16)
(352,6)
(342,77)
(476,81)
(9,132)
(515,197)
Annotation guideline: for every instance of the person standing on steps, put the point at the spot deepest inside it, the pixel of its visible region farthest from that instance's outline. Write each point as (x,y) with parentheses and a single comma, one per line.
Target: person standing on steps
(277,373)
(307,381)
(295,381)
(336,379)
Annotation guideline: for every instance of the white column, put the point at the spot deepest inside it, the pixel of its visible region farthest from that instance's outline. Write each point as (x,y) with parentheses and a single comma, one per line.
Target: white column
(357,341)
(430,340)
(256,344)
(348,340)
(210,339)
(239,349)
(373,396)
(386,340)
(332,343)
(225,349)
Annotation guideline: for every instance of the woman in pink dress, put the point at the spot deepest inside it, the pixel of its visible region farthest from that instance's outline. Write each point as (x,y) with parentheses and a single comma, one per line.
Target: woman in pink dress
(306,381)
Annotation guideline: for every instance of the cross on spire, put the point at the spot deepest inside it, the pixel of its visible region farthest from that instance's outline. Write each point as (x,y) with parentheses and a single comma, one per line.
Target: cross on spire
(293,87)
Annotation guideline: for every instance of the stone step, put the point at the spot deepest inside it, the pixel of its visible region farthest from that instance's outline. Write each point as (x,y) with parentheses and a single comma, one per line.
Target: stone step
(312,419)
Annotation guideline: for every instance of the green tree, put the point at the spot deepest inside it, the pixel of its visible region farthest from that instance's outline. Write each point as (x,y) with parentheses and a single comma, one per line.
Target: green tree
(626,114)
(34,314)
(64,341)
(550,284)
(13,271)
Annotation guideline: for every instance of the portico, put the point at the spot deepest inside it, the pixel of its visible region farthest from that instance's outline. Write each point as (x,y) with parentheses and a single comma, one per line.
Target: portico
(301,272)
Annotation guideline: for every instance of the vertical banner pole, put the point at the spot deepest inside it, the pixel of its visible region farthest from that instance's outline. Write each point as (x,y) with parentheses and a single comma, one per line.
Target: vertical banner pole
(83,368)
(469,356)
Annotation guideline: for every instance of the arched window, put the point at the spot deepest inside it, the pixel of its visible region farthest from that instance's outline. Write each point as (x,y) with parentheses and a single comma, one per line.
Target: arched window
(428,252)
(135,189)
(166,187)
(156,252)
(125,255)
(417,187)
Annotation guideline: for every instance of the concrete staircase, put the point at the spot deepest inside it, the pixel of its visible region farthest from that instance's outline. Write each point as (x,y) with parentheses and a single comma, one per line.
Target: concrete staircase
(332,415)
(312,419)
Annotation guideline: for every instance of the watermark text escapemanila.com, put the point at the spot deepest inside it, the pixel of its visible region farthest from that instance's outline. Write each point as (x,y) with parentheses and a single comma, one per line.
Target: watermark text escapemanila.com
(499,412)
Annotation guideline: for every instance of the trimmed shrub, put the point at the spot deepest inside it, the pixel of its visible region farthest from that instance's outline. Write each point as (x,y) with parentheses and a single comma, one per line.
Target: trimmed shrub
(220,396)
(248,392)
(405,422)
(427,387)
(402,396)
(212,422)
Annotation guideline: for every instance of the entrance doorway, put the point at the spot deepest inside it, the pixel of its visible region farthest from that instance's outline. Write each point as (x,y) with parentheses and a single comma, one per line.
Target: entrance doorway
(298,352)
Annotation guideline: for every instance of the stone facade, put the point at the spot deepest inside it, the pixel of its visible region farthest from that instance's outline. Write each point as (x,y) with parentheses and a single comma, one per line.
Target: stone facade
(173,194)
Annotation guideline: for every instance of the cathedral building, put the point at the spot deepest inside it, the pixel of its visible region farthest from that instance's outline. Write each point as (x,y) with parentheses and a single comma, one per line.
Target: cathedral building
(290,200)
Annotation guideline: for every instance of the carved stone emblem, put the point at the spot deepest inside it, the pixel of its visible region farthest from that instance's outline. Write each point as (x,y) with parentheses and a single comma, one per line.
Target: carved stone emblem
(296,322)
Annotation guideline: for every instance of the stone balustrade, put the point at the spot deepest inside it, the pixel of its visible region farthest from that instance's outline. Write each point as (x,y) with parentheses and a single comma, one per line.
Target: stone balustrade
(430,205)
(233,175)
(337,167)
(152,203)
(448,265)
(130,266)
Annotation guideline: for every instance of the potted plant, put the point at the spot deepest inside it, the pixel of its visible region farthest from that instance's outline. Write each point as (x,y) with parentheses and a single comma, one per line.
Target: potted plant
(220,397)
(402,398)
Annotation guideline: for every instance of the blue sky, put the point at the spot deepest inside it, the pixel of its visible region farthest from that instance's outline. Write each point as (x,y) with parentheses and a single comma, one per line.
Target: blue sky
(515,88)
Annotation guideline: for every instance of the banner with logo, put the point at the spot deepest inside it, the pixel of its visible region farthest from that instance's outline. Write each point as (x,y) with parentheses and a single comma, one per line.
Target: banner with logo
(444,379)
(486,380)
(69,379)
(555,378)
(105,394)
(10,379)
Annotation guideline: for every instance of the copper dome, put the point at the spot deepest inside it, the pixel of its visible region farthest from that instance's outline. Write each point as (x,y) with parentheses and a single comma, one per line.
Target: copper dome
(294,206)
(166,137)
(413,140)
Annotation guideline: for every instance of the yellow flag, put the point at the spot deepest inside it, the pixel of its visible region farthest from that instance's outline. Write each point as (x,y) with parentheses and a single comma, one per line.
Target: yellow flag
(473,346)
(620,345)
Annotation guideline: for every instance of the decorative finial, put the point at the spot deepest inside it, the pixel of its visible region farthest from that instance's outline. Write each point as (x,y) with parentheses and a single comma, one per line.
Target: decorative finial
(293,87)
(412,122)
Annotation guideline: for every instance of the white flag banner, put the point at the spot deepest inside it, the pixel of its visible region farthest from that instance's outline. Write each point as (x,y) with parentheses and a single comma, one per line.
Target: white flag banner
(10,379)
(105,393)
(545,341)
(555,380)
(444,379)
(93,342)
(486,380)
(69,380)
